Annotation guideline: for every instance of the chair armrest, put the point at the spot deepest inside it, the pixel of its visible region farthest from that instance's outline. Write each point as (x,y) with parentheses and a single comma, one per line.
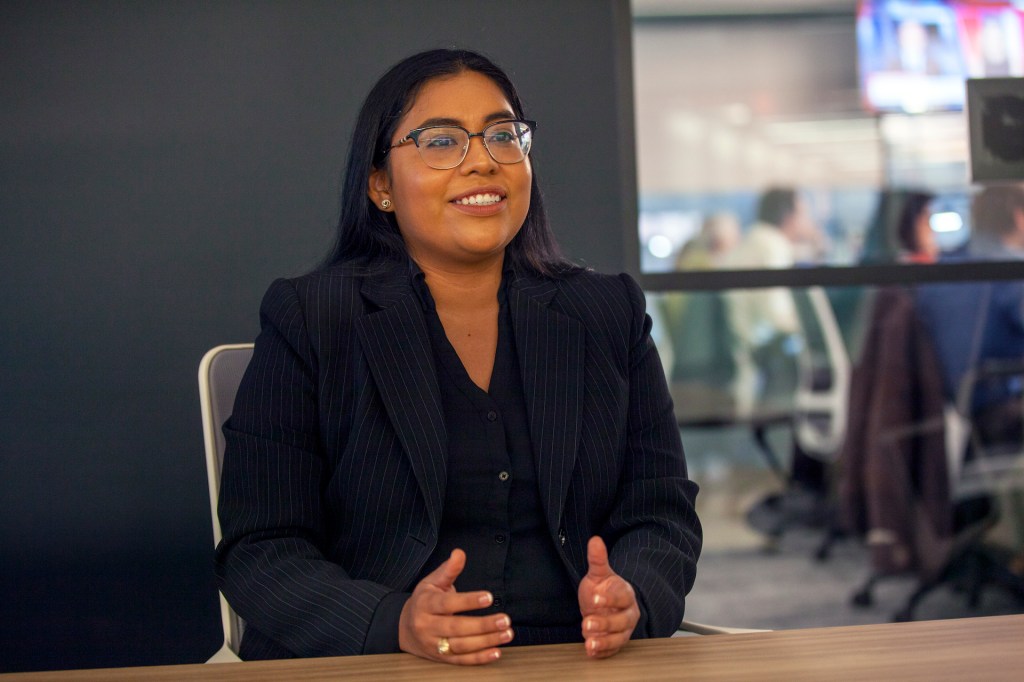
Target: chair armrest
(702,629)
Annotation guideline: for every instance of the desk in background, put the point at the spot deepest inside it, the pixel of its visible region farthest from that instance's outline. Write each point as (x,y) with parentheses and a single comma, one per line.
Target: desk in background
(966,649)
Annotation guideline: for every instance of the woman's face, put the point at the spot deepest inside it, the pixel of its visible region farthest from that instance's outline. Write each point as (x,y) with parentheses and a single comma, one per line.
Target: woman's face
(927,246)
(440,228)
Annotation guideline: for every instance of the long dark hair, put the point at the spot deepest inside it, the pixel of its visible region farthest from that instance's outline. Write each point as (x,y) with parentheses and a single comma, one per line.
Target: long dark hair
(914,204)
(892,230)
(365,233)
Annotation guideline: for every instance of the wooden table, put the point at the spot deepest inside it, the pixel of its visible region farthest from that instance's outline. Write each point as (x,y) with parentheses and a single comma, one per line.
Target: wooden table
(967,649)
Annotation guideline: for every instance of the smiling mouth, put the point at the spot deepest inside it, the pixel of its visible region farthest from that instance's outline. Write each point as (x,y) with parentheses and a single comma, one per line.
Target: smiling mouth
(484,199)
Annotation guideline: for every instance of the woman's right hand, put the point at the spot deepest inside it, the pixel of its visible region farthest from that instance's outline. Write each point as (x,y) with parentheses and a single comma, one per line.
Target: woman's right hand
(430,616)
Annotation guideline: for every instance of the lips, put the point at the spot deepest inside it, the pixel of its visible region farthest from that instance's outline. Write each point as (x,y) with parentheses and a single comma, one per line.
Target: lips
(479,200)
(484,196)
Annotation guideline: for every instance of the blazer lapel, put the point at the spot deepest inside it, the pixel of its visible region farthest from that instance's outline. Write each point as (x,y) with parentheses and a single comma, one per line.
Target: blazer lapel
(550,349)
(397,347)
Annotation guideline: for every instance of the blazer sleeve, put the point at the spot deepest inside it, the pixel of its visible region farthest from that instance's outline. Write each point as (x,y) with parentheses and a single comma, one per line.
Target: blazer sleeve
(653,533)
(270,564)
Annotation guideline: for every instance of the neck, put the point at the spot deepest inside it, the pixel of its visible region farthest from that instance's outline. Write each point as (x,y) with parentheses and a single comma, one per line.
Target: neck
(463,289)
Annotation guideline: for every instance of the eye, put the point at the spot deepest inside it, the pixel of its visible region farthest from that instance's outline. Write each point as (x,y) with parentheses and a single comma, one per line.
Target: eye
(440,139)
(501,137)
(502,134)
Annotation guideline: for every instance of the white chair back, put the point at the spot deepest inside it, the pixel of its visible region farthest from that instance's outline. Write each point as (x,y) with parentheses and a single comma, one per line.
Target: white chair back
(220,373)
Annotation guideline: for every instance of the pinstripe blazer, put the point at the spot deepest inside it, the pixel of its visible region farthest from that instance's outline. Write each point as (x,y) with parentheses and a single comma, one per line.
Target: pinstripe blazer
(335,469)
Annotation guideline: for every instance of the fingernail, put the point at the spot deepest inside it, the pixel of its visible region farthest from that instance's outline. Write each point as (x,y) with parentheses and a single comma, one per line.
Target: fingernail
(593,645)
(598,600)
(495,655)
(485,600)
(506,636)
(591,625)
(502,623)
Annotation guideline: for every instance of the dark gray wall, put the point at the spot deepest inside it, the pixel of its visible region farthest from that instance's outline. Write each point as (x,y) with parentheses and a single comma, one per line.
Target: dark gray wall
(160,164)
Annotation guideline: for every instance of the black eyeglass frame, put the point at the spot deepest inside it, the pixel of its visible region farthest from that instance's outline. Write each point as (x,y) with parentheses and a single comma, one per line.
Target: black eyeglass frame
(414,136)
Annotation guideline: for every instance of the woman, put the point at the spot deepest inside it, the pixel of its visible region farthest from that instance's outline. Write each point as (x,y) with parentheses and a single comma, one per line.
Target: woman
(901,229)
(449,437)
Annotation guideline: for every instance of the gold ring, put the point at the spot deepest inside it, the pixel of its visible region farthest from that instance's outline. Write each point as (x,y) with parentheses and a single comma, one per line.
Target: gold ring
(443,646)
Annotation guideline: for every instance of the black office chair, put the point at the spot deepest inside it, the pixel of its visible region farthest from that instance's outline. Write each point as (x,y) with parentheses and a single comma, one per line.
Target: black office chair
(922,480)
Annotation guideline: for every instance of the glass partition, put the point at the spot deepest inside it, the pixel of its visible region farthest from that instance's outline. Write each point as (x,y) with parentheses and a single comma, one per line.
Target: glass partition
(731,107)
(875,436)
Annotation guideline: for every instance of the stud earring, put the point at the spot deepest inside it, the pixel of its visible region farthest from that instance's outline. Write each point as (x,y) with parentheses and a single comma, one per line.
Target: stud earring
(386,204)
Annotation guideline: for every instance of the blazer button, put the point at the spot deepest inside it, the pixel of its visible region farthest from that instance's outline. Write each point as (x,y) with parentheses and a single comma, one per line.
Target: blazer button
(503,476)
(500,538)
(492,416)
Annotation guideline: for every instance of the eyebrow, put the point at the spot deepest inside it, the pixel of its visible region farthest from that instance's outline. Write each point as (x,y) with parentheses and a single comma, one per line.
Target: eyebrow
(443,121)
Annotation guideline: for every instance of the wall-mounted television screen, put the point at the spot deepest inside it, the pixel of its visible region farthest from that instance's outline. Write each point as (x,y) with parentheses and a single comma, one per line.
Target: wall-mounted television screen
(914,55)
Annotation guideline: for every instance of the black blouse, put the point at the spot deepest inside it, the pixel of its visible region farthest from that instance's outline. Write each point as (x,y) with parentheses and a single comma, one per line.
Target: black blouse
(492,504)
(492,507)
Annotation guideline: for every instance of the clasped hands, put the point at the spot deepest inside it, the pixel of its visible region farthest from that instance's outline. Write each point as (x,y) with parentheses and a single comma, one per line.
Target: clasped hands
(431,625)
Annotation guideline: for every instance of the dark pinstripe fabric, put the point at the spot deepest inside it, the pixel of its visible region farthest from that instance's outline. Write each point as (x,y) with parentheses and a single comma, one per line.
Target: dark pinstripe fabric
(335,468)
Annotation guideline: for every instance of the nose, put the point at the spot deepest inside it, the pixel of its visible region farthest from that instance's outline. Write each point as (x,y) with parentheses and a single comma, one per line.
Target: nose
(478,159)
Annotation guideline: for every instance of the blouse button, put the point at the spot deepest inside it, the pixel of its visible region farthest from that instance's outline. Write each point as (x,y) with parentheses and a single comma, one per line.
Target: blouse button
(500,538)
(503,476)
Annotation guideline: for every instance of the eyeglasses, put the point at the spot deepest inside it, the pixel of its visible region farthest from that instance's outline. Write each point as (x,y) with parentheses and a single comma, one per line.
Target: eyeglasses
(444,147)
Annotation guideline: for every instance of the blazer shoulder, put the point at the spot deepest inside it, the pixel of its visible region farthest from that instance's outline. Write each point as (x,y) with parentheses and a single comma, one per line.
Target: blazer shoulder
(336,276)
(328,298)
(612,306)
(344,280)
(620,295)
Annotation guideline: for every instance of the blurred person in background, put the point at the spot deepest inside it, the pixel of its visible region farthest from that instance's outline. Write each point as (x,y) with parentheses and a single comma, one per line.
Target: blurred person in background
(979,324)
(702,367)
(719,234)
(767,337)
(765,322)
(901,231)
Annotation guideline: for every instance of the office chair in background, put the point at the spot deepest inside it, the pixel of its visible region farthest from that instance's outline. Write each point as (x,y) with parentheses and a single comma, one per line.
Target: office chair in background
(817,417)
(919,483)
(220,373)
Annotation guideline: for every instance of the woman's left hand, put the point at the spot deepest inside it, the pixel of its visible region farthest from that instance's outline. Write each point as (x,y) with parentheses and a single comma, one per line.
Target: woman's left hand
(607,604)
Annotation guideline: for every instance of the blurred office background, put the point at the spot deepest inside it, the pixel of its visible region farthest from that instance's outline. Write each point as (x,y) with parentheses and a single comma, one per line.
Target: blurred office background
(826,420)
(161,163)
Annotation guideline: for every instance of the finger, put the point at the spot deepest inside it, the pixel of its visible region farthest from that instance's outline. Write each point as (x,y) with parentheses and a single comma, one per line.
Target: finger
(444,576)
(447,603)
(475,658)
(480,642)
(597,560)
(470,626)
(612,622)
(606,645)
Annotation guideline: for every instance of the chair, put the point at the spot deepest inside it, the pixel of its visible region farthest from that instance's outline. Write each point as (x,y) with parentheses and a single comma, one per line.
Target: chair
(817,415)
(703,629)
(983,475)
(220,373)
(944,534)
(820,403)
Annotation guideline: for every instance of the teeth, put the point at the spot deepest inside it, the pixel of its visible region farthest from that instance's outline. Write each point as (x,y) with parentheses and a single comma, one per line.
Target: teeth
(479,200)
